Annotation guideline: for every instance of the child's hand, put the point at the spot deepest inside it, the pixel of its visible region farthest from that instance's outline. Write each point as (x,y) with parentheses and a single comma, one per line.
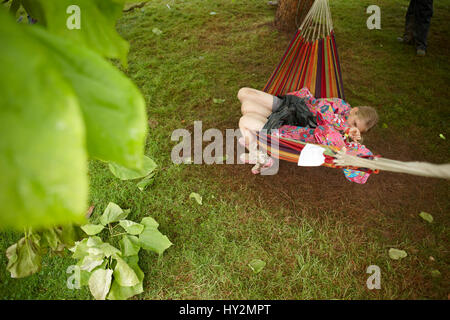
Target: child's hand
(354,134)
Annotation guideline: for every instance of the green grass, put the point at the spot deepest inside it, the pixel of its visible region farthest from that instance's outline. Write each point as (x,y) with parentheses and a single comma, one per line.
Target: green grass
(314,249)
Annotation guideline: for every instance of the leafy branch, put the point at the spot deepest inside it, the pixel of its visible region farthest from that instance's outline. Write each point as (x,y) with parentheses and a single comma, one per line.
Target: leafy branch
(109,272)
(62,102)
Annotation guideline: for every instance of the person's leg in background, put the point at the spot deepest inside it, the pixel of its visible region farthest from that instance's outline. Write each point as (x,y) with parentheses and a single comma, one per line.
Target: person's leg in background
(423,14)
(408,36)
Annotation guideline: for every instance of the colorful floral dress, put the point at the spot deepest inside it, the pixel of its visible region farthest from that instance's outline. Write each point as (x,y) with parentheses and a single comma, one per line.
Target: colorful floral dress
(331,126)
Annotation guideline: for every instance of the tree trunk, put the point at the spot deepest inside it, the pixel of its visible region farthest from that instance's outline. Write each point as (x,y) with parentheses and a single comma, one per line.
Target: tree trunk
(290,14)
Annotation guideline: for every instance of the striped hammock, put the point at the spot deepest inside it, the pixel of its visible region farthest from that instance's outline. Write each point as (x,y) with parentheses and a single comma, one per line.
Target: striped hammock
(290,150)
(311,60)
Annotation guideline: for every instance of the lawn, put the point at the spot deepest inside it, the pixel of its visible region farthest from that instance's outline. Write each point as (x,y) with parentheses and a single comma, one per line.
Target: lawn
(316,231)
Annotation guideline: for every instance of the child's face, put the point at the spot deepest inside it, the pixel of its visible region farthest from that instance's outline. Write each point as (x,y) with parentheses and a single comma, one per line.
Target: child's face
(355,122)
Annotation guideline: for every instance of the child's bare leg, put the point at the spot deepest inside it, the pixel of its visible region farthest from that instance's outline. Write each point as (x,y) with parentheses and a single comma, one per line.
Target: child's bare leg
(256,108)
(249,124)
(261,102)
(249,106)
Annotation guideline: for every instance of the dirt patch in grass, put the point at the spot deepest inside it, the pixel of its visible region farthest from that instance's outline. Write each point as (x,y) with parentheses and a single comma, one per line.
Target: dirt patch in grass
(321,190)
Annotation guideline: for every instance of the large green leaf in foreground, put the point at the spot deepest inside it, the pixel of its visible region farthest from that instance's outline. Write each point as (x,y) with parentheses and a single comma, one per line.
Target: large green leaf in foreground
(43,163)
(113,108)
(97,23)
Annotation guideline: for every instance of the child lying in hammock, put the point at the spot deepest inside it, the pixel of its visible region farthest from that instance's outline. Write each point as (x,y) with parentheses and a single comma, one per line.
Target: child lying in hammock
(334,119)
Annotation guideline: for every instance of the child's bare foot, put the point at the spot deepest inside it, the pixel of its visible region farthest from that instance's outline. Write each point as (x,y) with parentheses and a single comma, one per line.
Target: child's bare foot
(259,167)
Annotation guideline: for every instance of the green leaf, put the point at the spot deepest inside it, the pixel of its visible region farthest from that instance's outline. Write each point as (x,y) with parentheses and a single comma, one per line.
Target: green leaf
(100,282)
(92,229)
(218,100)
(51,238)
(442,136)
(197,197)
(147,181)
(112,107)
(129,245)
(94,241)
(68,235)
(129,174)
(91,261)
(435,273)
(157,31)
(95,252)
(43,163)
(426,216)
(108,250)
(257,265)
(124,274)
(97,25)
(396,254)
(119,292)
(113,213)
(131,227)
(151,238)
(11,254)
(80,249)
(24,258)
(84,277)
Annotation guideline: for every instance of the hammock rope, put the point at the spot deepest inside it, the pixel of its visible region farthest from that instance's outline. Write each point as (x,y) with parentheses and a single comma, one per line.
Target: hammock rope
(311,59)
(424,169)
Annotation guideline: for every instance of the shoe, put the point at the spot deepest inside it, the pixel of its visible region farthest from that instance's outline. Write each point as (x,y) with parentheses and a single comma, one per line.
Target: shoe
(421,52)
(405,40)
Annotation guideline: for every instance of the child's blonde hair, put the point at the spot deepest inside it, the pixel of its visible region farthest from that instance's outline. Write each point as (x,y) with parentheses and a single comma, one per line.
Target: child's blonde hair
(369,115)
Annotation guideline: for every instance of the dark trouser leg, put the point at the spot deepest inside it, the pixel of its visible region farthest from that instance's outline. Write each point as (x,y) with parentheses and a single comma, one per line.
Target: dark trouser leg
(423,14)
(409,24)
